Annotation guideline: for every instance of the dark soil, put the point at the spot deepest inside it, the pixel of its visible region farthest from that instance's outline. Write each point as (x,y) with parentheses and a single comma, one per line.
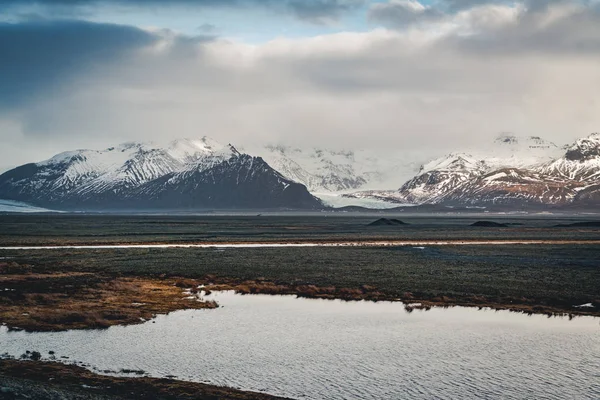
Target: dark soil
(55,381)
(489,224)
(586,224)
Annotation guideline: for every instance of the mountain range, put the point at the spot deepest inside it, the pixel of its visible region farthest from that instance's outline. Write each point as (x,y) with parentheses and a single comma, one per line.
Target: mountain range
(200,174)
(184,174)
(517,172)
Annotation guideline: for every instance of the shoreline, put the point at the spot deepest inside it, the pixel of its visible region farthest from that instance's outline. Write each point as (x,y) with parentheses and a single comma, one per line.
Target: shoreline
(98,302)
(300,243)
(64,301)
(411,301)
(21,379)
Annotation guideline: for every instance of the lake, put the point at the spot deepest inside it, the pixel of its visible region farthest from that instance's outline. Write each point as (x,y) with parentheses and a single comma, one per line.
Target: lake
(330,349)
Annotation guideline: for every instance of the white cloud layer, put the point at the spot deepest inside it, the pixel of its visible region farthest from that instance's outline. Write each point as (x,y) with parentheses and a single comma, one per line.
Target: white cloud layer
(437,79)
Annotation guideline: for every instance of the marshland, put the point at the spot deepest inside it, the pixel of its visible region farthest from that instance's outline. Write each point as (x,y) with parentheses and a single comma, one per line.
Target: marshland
(118,291)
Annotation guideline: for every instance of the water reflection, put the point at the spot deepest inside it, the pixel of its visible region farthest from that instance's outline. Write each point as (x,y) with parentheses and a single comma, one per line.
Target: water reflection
(323,349)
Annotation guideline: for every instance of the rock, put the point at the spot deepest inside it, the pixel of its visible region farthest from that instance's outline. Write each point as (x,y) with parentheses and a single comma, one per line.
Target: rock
(489,224)
(387,222)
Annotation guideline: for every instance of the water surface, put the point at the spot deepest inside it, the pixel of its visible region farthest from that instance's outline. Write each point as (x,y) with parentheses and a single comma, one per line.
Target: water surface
(323,349)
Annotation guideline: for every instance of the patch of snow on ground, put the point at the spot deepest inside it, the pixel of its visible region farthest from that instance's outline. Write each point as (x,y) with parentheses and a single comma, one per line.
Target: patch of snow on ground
(337,200)
(17,206)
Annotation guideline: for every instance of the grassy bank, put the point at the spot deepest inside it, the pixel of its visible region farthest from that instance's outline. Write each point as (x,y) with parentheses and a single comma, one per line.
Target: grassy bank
(535,278)
(55,301)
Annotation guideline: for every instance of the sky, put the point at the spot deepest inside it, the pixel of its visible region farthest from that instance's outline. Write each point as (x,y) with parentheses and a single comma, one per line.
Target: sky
(354,74)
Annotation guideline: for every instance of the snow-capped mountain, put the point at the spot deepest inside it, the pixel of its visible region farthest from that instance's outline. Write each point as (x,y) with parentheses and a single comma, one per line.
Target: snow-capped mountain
(112,177)
(440,176)
(509,150)
(201,174)
(242,181)
(518,171)
(85,173)
(581,162)
(330,171)
(512,186)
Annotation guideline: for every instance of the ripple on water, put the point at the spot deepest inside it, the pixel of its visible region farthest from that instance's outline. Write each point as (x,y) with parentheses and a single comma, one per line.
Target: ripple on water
(323,349)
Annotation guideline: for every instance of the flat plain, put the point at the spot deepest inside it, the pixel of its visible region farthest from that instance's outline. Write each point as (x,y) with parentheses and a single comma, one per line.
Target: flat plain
(533,278)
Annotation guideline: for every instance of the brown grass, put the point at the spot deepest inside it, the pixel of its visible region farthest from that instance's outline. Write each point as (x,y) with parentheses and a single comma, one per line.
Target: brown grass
(60,306)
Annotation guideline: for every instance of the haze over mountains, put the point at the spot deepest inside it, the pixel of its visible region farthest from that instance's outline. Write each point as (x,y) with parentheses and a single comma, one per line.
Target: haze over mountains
(202,173)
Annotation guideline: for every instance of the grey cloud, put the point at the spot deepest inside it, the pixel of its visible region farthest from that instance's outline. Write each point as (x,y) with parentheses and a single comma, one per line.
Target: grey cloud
(43,59)
(38,57)
(574,33)
(540,26)
(379,88)
(310,10)
(316,10)
(207,28)
(451,6)
(400,14)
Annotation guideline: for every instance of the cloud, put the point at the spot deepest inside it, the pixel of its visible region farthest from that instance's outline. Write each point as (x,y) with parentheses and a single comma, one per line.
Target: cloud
(323,10)
(558,27)
(317,11)
(38,57)
(207,28)
(439,86)
(403,13)
(539,26)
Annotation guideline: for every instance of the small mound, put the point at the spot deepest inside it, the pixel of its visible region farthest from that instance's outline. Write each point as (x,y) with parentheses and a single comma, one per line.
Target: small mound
(587,224)
(489,224)
(387,222)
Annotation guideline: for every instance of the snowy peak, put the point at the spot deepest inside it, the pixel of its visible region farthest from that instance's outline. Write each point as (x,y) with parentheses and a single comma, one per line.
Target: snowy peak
(580,163)
(318,169)
(515,171)
(325,170)
(514,142)
(233,151)
(585,149)
(515,151)
(181,174)
(242,181)
(459,162)
(441,176)
(189,150)
(83,174)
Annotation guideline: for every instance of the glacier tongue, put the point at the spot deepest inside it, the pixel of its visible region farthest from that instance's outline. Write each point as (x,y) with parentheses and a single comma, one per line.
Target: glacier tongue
(340,171)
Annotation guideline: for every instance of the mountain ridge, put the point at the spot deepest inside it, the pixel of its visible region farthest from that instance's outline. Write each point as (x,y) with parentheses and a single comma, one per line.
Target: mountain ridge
(460,179)
(116,178)
(204,174)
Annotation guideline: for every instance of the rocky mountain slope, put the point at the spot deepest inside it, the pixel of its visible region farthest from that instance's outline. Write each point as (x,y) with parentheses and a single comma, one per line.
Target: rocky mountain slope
(203,174)
(518,172)
(242,181)
(198,174)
